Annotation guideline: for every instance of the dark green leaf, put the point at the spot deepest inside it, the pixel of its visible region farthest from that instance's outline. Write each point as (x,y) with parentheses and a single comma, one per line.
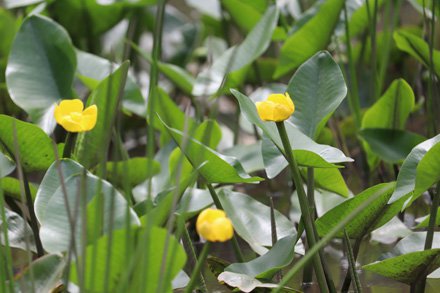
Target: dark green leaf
(251,220)
(19,232)
(40,69)
(407,268)
(27,137)
(417,48)
(314,104)
(43,275)
(406,179)
(265,266)
(12,187)
(131,172)
(311,37)
(6,165)
(55,231)
(391,145)
(218,168)
(392,109)
(377,213)
(428,170)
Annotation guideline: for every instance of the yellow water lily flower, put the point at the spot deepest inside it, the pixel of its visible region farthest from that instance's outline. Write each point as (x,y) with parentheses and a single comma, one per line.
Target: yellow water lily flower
(276,108)
(70,115)
(214,226)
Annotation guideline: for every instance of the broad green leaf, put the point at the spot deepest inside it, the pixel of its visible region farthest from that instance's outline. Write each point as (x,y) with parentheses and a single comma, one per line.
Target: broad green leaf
(209,81)
(6,165)
(40,69)
(181,280)
(63,168)
(377,213)
(160,245)
(406,179)
(265,266)
(307,153)
(391,145)
(131,172)
(112,213)
(428,170)
(193,201)
(92,69)
(417,48)
(91,145)
(392,109)
(407,268)
(11,187)
(43,275)
(330,179)
(171,114)
(414,242)
(218,168)
(312,36)
(251,220)
(242,282)
(314,104)
(27,137)
(19,232)
(209,134)
(249,156)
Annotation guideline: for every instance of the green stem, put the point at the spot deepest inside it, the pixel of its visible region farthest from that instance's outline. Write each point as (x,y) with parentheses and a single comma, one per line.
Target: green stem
(154,79)
(68,145)
(198,267)
(353,97)
(308,270)
(303,202)
(33,217)
(352,264)
(218,204)
(326,239)
(420,283)
(186,240)
(5,253)
(432,218)
(355,250)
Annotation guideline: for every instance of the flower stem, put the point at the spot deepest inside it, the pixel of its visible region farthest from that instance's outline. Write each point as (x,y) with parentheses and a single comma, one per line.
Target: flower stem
(218,204)
(199,264)
(68,145)
(303,202)
(351,265)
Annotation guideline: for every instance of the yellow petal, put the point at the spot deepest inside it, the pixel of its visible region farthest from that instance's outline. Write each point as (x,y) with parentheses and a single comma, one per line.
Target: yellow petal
(65,107)
(277,108)
(89,117)
(221,230)
(282,100)
(70,125)
(213,225)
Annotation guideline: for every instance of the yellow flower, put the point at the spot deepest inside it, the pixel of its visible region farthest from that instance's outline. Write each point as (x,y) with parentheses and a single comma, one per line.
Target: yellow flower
(276,108)
(70,115)
(214,226)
